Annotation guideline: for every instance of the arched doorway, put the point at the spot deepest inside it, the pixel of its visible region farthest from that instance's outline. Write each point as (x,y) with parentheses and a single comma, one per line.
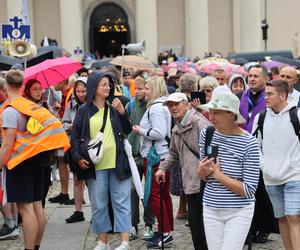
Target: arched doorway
(109,29)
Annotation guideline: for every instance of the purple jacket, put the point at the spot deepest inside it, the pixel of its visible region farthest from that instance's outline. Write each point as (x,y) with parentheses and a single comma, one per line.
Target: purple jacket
(244,107)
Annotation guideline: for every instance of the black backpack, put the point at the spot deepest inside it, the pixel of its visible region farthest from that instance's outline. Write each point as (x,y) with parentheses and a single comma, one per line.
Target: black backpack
(294,120)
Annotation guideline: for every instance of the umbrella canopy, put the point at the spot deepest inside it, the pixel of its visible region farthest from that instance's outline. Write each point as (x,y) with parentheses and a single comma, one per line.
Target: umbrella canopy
(133,61)
(99,64)
(186,67)
(57,52)
(284,60)
(52,71)
(229,68)
(6,62)
(270,64)
(212,59)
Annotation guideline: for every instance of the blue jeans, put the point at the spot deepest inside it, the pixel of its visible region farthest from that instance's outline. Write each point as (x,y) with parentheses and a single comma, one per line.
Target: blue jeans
(106,184)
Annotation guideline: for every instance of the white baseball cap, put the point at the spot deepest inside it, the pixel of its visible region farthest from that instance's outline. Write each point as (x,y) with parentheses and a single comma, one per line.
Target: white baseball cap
(176,97)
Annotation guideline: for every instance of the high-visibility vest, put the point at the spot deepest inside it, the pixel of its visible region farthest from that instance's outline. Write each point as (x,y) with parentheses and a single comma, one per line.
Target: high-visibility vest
(50,136)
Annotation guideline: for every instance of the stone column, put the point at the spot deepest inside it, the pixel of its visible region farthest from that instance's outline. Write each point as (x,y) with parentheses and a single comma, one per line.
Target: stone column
(146,27)
(196,28)
(247,25)
(71,24)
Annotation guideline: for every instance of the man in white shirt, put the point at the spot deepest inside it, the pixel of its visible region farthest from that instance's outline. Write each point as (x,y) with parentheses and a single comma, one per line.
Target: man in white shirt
(281,161)
(289,74)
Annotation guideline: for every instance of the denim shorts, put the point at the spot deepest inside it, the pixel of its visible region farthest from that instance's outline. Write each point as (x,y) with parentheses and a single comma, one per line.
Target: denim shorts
(285,198)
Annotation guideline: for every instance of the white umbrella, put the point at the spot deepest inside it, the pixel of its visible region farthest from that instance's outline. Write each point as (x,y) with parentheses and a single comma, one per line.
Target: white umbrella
(134,171)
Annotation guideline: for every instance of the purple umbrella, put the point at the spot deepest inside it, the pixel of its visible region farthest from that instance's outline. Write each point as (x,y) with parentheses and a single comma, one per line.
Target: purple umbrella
(270,64)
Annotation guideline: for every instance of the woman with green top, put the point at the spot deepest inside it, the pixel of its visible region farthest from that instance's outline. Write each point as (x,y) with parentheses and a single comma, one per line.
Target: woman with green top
(110,177)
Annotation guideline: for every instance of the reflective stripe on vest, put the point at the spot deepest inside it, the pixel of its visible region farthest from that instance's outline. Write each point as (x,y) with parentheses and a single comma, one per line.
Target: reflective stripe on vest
(51,136)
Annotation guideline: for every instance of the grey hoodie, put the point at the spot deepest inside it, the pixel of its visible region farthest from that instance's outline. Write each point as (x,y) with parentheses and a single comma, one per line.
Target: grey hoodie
(235,76)
(156,128)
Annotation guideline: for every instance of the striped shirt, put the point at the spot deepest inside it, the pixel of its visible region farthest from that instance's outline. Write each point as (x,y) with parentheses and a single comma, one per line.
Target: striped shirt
(239,157)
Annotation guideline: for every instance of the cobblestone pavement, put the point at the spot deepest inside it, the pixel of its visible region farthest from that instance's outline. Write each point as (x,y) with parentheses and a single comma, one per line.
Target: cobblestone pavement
(182,236)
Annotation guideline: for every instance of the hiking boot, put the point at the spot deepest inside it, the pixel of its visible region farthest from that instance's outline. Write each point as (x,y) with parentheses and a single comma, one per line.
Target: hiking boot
(133,234)
(168,239)
(148,233)
(124,246)
(61,198)
(75,217)
(102,246)
(7,233)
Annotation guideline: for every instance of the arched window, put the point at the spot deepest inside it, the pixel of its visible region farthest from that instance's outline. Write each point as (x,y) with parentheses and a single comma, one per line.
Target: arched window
(109,29)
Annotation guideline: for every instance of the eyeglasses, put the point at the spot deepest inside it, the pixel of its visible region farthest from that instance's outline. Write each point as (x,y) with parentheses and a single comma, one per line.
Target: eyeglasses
(107,85)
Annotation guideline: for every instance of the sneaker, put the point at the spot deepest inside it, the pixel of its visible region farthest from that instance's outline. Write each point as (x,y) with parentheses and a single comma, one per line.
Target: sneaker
(124,246)
(72,202)
(168,239)
(148,233)
(61,198)
(76,217)
(153,238)
(7,233)
(133,234)
(261,237)
(102,246)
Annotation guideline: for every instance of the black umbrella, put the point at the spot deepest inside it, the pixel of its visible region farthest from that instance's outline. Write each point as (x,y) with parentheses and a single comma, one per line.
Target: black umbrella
(98,64)
(6,62)
(57,52)
(40,57)
(289,61)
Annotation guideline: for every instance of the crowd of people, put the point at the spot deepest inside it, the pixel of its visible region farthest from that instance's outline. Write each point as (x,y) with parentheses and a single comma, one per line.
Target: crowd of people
(232,156)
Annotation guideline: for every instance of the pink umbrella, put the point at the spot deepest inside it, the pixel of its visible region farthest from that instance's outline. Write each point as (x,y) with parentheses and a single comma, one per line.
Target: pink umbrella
(52,71)
(186,67)
(229,68)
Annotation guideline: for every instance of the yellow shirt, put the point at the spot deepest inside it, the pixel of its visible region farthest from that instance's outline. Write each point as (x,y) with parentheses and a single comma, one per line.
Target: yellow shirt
(109,144)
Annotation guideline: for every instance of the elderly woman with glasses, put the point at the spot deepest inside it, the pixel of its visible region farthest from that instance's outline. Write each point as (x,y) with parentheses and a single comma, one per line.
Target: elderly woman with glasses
(231,175)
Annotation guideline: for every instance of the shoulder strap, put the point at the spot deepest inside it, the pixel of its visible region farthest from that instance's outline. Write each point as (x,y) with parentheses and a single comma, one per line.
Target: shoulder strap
(295,121)
(130,107)
(104,118)
(208,137)
(298,104)
(192,150)
(260,124)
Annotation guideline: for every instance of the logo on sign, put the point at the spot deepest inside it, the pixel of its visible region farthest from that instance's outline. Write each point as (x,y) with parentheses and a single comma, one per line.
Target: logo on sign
(15,31)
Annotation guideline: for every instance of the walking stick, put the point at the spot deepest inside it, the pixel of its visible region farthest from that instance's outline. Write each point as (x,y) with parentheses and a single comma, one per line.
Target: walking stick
(161,213)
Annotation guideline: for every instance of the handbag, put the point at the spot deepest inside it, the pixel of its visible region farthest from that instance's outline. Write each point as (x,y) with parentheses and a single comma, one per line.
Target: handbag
(95,146)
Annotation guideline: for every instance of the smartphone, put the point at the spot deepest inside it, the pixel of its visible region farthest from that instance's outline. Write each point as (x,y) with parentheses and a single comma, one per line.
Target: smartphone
(212,152)
(200,95)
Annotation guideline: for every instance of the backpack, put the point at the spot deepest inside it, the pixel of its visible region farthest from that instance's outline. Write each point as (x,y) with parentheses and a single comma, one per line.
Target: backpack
(293,112)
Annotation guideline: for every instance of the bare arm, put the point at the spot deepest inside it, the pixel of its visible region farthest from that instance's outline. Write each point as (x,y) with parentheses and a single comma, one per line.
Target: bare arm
(7,145)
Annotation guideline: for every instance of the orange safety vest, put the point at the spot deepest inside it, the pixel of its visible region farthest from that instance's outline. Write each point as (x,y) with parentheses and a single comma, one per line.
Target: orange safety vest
(70,93)
(50,136)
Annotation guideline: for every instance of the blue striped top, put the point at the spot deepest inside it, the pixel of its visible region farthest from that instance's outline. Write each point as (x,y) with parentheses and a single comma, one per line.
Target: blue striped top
(239,157)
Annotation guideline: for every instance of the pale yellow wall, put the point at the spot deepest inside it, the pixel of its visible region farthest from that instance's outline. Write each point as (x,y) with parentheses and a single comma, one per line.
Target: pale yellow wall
(3,15)
(284,20)
(171,22)
(46,20)
(220,19)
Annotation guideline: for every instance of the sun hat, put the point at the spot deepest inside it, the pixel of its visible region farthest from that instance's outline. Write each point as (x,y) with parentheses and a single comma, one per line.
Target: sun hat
(226,101)
(176,97)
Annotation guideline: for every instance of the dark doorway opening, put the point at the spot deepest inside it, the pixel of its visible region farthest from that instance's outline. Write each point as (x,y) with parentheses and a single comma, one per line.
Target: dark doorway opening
(109,29)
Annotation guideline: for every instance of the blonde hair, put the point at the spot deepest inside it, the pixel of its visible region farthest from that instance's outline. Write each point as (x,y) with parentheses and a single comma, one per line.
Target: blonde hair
(209,82)
(158,87)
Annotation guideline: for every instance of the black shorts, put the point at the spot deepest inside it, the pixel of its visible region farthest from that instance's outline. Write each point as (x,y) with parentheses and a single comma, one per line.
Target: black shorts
(72,164)
(25,182)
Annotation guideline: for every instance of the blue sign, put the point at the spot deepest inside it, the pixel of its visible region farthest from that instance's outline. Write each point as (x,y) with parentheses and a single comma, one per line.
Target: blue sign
(15,31)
